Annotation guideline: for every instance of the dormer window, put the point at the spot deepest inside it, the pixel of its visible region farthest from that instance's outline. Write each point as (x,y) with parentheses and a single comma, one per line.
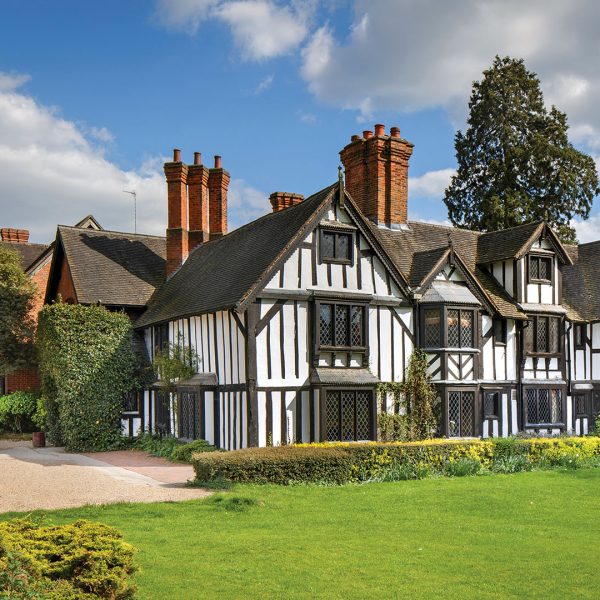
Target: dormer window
(540,269)
(448,327)
(336,246)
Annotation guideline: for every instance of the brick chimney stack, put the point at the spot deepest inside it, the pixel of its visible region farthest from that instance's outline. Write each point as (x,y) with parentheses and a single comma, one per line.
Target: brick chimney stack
(176,173)
(281,200)
(218,184)
(16,236)
(376,170)
(198,202)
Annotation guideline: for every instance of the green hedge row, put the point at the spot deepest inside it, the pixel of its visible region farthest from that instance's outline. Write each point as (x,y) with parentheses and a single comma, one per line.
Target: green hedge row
(344,463)
(76,561)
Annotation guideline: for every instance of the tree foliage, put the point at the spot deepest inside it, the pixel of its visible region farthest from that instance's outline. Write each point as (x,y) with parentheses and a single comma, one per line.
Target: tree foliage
(515,162)
(17,326)
(87,364)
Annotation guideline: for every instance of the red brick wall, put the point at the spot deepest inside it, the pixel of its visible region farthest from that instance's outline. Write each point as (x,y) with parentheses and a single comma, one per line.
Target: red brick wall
(65,286)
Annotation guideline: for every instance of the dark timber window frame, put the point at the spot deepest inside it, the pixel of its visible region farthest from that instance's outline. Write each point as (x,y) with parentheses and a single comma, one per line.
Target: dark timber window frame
(500,331)
(535,328)
(334,303)
(540,392)
(534,265)
(579,336)
(337,234)
(443,310)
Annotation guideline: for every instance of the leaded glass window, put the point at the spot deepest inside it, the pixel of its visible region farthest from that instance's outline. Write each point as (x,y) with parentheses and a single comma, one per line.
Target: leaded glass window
(453,329)
(543,406)
(349,415)
(580,404)
(326,325)
(491,402)
(461,418)
(432,327)
(540,269)
(459,329)
(543,335)
(341,326)
(336,246)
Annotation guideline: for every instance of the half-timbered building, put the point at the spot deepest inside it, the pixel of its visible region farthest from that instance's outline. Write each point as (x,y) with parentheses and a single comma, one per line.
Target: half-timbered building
(297,316)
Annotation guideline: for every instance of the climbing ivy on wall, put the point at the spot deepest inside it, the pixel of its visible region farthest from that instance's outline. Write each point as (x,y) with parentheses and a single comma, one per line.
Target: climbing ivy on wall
(87,364)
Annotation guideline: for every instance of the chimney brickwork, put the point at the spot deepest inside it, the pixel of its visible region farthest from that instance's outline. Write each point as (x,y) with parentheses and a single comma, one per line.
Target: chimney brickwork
(16,236)
(218,184)
(197,206)
(281,200)
(376,175)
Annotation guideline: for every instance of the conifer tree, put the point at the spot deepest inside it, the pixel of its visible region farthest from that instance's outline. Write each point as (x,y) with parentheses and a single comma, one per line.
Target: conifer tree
(515,162)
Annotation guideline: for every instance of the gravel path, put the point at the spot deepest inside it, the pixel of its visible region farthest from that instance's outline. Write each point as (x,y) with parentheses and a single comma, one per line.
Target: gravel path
(48,478)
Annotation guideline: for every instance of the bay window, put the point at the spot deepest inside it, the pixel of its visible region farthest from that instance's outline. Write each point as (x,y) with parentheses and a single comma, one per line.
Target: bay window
(341,326)
(448,328)
(542,335)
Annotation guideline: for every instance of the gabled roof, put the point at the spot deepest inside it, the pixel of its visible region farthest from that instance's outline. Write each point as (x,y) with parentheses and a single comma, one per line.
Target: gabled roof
(226,272)
(581,282)
(28,253)
(425,263)
(109,267)
(516,242)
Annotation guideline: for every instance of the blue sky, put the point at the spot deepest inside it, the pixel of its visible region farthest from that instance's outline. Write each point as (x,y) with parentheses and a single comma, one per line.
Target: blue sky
(94,95)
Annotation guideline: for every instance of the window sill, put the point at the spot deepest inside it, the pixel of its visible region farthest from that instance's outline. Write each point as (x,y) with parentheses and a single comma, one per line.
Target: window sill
(337,261)
(543,354)
(542,281)
(469,350)
(356,349)
(492,417)
(544,425)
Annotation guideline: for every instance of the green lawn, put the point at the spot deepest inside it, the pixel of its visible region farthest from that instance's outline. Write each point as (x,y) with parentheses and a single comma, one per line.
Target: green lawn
(530,535)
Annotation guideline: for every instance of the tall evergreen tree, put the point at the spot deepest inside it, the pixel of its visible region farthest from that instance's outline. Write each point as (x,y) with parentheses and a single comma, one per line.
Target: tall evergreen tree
(17,327)
(515,162)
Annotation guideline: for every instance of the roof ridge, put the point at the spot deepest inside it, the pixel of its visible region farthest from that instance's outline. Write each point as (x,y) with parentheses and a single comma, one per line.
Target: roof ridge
(520,226)
(452,227)
(101,231)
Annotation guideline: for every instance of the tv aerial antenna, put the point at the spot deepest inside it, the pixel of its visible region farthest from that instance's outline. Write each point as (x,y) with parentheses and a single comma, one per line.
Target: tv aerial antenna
(133,193)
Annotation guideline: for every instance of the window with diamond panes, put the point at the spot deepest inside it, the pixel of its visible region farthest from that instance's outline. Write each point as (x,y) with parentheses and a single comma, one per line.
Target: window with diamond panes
(336,246)
(579,336)
(326,325)
(341,326)
(580,404)
(432,320)
(543,406)
(540,269)
(461,417)
(459,328)
(453,329)
(543,335)
(349,415)
(491,402)
(189,415)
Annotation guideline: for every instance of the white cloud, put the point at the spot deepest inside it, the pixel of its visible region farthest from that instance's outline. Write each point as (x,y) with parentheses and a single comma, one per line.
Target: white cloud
(587,231)
(50,173)
(262,29)
(264,85)
(245,202)
(184,15)
(12,81)
(102,134)
(408,55)
(431,184)
(308,118)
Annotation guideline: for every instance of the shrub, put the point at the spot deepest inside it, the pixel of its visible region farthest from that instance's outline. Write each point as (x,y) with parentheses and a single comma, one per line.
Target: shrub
(80,560)
(170,447)
(17,411)
(357,462)
(87,364)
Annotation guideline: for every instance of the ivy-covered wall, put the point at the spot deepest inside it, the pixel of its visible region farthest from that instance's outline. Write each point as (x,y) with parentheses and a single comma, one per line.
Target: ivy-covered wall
(87,363)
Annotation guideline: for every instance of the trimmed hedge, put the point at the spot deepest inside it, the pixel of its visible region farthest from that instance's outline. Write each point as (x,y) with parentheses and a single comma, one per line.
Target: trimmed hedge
(343,463)
(80,560)
(87,364)
(170,448)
